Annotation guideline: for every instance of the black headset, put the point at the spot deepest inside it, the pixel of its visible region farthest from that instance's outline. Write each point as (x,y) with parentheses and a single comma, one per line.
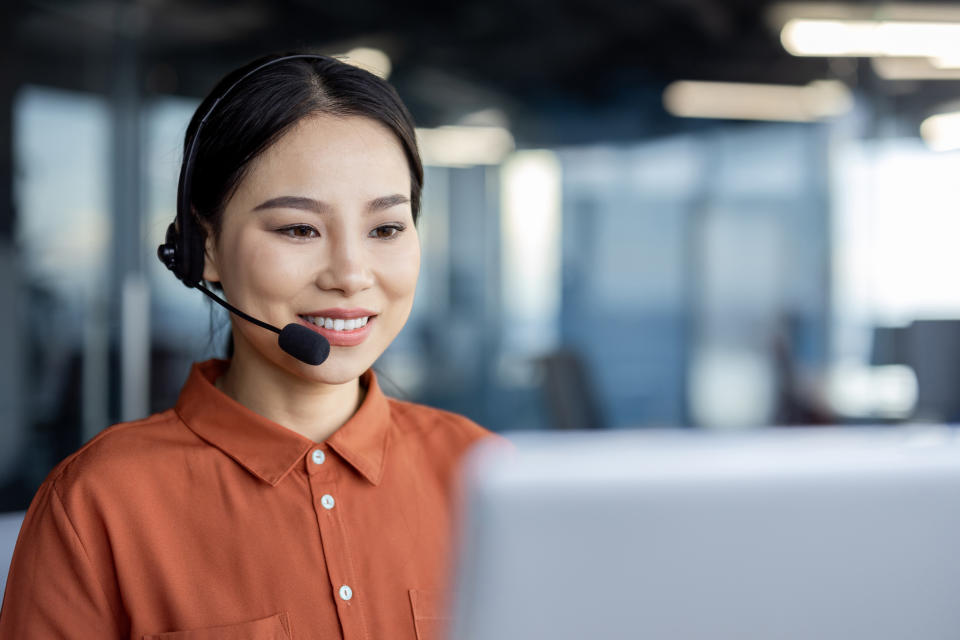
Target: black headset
(183,249)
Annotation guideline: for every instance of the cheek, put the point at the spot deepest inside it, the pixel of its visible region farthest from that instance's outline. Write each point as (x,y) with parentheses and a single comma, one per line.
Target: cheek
(266,268)
(402,271)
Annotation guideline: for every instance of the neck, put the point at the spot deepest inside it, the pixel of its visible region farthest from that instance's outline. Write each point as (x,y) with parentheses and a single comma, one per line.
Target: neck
(312,409)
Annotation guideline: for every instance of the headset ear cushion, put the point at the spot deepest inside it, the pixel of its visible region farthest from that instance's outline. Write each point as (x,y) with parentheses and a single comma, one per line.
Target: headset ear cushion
(167,252)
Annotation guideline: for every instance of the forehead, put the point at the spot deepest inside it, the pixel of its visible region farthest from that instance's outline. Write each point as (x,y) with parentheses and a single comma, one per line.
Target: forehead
(325,152)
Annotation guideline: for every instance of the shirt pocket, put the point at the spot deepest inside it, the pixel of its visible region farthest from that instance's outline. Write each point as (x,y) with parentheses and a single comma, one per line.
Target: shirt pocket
(275,627)
(430,614)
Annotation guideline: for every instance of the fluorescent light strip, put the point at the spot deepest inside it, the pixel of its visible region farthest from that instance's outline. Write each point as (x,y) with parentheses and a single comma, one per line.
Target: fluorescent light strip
(464,146)
(871,38)
(951,62)
(942,132)
(373,60)
(781,13)
(768,102)
(912,69)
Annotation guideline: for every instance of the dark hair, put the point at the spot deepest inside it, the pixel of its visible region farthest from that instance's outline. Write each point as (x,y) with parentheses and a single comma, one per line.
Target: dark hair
(261,108)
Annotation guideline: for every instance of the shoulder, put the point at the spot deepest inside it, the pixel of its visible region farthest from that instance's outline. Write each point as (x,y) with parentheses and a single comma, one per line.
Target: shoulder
(435,425)
(84,513)
(119,453)
(432,440)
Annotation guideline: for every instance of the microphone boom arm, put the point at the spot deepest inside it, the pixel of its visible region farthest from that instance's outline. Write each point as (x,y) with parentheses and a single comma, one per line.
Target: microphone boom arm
(232,309)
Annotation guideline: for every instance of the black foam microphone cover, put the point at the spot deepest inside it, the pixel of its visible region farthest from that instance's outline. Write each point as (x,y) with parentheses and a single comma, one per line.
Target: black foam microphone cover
(304,344)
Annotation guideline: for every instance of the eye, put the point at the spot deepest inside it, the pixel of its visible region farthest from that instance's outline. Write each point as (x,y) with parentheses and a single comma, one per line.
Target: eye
(299,231)
(387,231)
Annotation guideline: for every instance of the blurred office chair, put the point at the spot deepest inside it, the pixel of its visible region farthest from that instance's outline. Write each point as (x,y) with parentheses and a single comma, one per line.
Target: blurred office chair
(568,392)
(932,349)
(796,402)
(889,346)
(9,530)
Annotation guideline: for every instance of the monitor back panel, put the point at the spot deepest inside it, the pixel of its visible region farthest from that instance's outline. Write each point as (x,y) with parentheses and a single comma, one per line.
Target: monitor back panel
(825,534)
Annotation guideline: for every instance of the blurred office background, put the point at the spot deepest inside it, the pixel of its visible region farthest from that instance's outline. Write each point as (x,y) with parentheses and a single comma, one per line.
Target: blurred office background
(696,214)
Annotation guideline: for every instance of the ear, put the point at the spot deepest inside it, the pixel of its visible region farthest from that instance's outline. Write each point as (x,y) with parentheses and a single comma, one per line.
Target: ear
(211,265)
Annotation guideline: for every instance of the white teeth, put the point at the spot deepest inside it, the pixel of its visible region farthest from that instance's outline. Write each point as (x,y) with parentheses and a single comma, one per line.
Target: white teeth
(338,324)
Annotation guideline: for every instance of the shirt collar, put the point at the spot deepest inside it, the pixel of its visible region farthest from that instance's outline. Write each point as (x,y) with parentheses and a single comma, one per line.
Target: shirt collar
(269,450)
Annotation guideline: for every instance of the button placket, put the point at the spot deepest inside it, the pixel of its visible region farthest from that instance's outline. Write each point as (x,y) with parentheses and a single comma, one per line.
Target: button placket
(326,488)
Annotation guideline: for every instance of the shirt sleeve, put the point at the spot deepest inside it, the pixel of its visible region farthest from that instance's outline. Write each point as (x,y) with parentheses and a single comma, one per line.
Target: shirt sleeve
(53,590)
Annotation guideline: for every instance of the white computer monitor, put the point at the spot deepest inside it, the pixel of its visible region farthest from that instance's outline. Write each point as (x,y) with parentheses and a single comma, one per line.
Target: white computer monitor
(826,534)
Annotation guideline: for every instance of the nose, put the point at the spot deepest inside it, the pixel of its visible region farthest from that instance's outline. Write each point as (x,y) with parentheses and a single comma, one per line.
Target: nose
(347,269)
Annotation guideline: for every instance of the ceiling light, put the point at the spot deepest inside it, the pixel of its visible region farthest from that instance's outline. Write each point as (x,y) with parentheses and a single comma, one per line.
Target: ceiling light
(942,132)
(947,62)
(770,102)
(455,146)
(871,38)
(373,60)
(490,117)
(782,12)
(912,69)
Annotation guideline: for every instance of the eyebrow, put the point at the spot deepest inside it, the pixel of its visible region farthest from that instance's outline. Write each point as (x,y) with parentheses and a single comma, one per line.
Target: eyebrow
(318,206)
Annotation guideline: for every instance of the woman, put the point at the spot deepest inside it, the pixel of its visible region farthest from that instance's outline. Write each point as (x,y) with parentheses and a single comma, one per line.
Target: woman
(278,499)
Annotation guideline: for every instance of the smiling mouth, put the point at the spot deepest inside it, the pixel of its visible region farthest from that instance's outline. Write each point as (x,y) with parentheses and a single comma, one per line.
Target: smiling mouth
(344,325)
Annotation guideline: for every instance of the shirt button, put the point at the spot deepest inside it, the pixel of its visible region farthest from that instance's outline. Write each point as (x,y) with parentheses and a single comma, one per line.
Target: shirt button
(318,456)
(346,593)
(327,502)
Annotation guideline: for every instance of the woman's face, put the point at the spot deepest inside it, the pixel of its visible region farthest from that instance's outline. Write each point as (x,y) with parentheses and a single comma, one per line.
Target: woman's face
(320,232)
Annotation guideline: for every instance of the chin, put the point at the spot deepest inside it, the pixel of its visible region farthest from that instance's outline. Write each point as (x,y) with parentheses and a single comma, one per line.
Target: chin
(334,371)
(262,353)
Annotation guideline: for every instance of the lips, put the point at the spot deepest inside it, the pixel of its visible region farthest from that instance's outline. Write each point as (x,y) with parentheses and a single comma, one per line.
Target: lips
(338,312)
(341,327)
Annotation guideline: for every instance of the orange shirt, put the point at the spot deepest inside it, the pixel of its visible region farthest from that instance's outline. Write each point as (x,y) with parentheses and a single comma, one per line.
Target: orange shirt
(210,522)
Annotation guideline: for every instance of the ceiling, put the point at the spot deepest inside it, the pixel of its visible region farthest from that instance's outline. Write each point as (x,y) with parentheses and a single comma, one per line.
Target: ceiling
(562,71)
